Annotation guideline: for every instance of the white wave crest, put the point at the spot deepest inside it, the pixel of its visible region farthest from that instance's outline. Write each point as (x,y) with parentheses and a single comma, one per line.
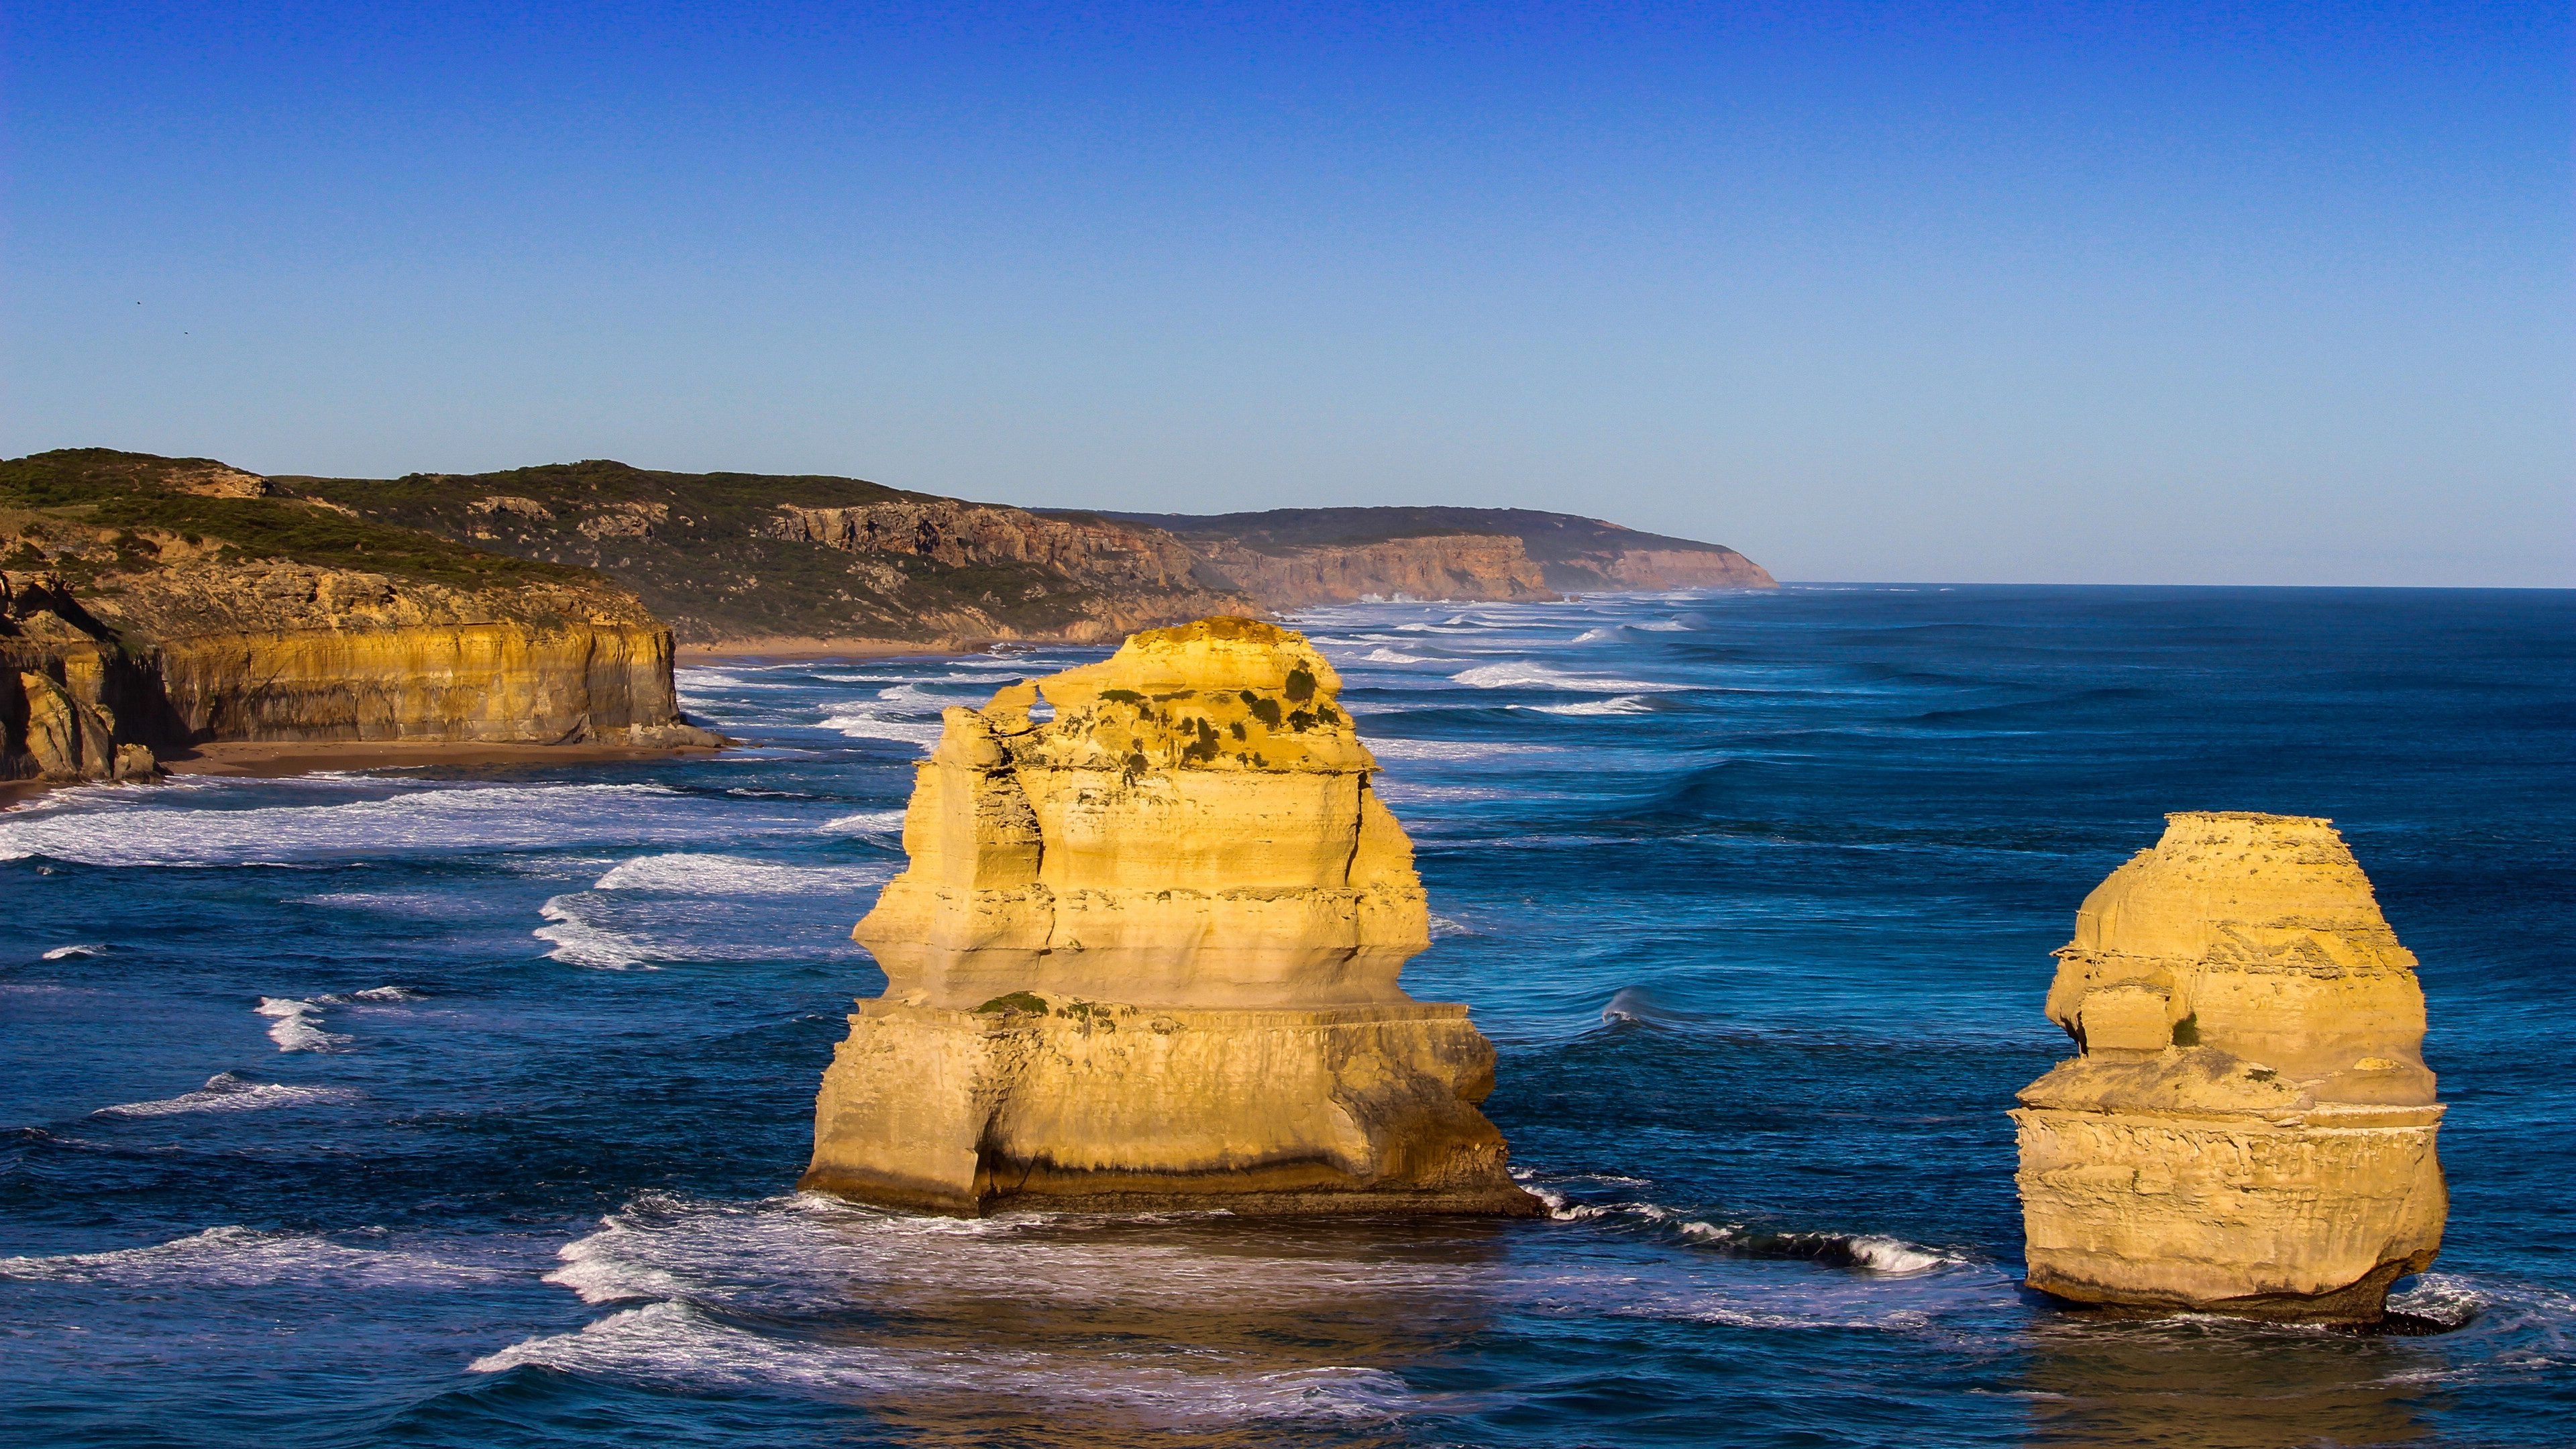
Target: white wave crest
(579,943)
(1624,704)
(225,1092)
(238,1256)
(162,829)
(298,1025)
(1383,655)
(388,993)
(1668,626)
(1530,674)
(1386,749)
(70,953)
(1895,1255)
(685,873)
(1596,636)
(863,723)
(677,1343)
(864,822)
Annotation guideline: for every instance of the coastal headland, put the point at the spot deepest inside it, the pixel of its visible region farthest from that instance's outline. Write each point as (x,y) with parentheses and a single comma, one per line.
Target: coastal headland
(154,609)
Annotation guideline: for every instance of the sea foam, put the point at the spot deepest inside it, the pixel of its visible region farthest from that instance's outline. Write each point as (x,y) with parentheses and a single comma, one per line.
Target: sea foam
(685,873)
(235,1256)
(162,831)
(1529,674)
(298,1025)
(225,1092)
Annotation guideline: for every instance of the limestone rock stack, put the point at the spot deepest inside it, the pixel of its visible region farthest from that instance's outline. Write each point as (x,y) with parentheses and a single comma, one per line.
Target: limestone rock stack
(1146,956)
(2249,1126)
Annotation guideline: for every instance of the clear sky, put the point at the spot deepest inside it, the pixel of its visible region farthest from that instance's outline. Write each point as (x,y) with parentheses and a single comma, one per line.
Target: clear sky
(2254,293)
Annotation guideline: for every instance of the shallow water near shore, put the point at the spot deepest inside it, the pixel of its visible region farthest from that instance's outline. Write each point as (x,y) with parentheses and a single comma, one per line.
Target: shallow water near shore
(463,1105)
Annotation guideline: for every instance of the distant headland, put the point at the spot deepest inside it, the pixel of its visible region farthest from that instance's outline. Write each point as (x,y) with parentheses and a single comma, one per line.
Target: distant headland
(155,607)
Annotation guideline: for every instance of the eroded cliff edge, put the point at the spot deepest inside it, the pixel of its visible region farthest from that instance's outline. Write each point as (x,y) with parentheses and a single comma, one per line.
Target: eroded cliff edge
(2249,1126)
(156,604)
(1146,956)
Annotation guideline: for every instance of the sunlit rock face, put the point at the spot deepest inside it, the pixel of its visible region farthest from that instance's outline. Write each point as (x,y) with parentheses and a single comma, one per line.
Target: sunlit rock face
(2249,1126)
(1146,956)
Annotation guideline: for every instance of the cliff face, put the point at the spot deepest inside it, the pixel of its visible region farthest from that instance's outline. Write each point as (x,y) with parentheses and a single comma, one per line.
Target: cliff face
(2249,1127)
(1438,566)
(175,610)
(69,704)
(1114,578)
(1146,955)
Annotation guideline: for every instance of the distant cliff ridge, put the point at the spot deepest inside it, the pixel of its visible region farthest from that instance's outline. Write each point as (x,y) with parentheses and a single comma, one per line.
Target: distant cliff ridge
(153,604)
(1568,552)
(741,559)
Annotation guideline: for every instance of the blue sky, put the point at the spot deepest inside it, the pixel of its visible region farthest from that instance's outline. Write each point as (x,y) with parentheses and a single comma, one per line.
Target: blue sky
(2080,293)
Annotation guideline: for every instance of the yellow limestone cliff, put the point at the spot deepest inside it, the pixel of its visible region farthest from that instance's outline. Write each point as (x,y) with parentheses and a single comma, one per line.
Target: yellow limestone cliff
(2249,1126)
(1146,956)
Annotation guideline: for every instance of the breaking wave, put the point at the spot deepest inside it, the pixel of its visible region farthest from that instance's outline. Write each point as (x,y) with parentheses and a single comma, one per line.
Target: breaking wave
(864,723)
(1529,674)
(578,942)
(1624,704)
(298,1025)
(865,822)
(161,832)
(235,1256)
(225,1092)
(684,873)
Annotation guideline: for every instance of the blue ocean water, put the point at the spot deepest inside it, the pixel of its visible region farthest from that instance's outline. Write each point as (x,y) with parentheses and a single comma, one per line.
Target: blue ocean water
(463,1107)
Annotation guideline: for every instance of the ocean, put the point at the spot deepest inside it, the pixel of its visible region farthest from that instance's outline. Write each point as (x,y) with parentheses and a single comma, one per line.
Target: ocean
(454,1106)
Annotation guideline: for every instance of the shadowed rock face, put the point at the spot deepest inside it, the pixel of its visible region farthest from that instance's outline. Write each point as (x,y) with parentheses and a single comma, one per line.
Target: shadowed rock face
(2249,1127)
(1146,955)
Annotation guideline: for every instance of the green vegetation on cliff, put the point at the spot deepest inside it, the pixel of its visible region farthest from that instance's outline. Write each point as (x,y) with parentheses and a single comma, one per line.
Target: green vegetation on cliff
(90,513)
(703,551)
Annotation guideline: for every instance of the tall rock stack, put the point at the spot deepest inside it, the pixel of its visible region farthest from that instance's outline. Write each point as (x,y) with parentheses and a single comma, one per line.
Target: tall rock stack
(1146,956)
(2249,1126)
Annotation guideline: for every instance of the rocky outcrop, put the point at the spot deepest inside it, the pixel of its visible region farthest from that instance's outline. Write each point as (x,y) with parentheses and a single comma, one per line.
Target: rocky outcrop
(1146,954)
(2249,1126)
(62,687)
(272,650)
(1436,566)
(181,602)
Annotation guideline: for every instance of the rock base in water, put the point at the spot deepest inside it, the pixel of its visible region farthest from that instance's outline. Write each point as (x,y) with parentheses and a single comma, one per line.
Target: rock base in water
(1051,1103)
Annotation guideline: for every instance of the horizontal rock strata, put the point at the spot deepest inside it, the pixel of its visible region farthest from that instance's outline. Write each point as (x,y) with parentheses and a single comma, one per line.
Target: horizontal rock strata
(1147,952)
(1439,566)
(151,636)
(2249,1127)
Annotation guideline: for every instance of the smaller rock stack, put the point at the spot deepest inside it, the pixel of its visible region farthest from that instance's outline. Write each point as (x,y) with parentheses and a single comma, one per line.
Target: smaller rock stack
(2249,1126)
